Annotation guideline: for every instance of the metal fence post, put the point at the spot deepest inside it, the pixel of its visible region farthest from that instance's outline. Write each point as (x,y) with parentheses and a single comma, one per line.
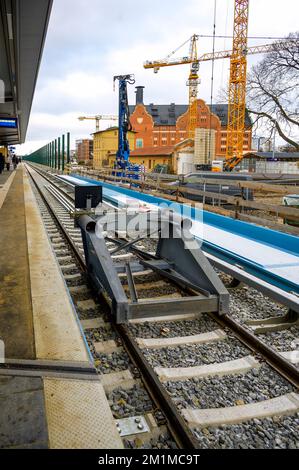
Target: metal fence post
(62,153)
(55,154)
(59,155)
(68,156)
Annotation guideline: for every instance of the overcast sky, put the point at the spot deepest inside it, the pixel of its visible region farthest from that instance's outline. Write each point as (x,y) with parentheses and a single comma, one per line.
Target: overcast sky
(90,41)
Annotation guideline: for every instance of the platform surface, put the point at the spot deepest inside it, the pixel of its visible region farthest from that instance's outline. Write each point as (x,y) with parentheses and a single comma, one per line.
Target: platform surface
(38,323)
(16,322)
(4,177)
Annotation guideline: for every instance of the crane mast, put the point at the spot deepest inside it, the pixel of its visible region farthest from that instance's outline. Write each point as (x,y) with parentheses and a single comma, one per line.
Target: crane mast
(237,80)
(124,125)
(237,86)
(193,83)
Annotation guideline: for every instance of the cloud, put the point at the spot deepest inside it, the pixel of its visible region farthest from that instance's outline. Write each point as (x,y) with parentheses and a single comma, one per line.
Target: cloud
(89,42)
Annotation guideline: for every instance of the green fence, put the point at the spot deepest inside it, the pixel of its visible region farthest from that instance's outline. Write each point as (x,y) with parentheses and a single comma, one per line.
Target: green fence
(54,155)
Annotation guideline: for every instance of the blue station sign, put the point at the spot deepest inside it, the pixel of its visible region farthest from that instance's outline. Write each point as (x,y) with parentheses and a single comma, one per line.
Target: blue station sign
(10,123)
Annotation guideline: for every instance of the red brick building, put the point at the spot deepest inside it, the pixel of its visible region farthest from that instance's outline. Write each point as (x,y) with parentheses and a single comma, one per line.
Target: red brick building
(165,125)
(84,150)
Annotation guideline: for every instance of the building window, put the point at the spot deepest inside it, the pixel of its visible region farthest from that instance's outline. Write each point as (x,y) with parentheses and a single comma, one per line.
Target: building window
(139,143)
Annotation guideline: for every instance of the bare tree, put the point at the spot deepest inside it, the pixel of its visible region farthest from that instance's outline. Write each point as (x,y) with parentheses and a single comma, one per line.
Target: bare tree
(273,91)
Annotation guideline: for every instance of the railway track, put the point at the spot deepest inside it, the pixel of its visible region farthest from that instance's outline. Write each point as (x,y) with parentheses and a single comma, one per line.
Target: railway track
(212,380)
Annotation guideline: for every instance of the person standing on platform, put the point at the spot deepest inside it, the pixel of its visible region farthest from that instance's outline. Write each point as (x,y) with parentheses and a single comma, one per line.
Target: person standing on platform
(2,162)
(7,163)
(15,162)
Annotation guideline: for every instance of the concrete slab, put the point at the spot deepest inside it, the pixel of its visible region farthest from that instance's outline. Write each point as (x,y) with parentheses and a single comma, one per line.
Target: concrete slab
(123,379)
(64,258)
(284,405)
(68,267)
(107,347)
(72,277)
(236,366)
(79,416)
(165,318)
(83,289)
(93,323)
(147,285)
(155,343)
(88,304)
(292,356)
(23,421)
(139,273)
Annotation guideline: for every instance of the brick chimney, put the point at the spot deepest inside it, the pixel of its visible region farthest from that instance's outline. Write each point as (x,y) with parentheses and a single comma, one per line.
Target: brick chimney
(139,94)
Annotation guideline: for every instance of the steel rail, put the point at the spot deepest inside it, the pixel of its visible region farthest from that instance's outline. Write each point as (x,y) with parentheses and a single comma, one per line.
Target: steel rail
(175,422)
(272,357)
(60,225)
(159,394)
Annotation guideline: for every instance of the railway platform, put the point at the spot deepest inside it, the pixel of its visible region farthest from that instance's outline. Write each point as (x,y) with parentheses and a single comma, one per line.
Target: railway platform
(50,393)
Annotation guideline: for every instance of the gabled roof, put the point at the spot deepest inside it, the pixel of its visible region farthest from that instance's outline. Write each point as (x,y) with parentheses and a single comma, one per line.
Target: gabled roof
(221,110)
(166,150)
(167,114)
(112,128)
(164,114)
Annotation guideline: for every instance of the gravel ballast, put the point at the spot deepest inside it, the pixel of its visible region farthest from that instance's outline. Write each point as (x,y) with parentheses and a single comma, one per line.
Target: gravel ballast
(131,402)
(193,355)
(268,433)
(230,390)
(284,340)
(164,441)
(100,334)
(172,329)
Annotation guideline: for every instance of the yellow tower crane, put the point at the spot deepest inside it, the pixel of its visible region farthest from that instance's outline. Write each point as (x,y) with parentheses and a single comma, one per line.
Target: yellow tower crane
(237,82)
(193,79)
(193,82)
(237,86)
(98,118)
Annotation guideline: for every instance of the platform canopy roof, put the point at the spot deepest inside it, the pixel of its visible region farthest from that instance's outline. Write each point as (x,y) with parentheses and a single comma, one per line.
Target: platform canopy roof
(23,28)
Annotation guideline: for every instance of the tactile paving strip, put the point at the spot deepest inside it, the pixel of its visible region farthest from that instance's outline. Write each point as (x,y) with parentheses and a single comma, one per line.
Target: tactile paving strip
(57,334)
(79,416)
